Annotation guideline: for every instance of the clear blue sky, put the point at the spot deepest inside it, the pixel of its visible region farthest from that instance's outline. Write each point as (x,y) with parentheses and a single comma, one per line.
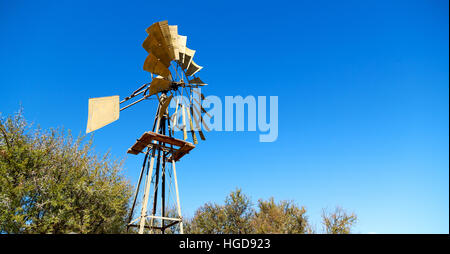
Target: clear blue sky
(363,92)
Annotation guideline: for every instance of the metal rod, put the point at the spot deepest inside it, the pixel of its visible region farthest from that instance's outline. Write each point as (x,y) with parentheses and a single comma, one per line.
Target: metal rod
(140,88)
(176,71)
(163,218)
(176,188)
(155,194)
(148,183)
(138,186)
(129,105)
(171,224)
(147,191)
(134,94)
(178,195)
(163,179)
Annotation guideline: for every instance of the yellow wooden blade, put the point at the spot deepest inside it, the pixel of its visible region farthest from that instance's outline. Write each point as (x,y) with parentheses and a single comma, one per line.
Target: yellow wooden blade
(201,118)
(197,81)
(154,65)
(181,48)
(175,117)
(159,85)
(159,42)
(200,94)
(188,55)
(197,125)
(202,136)
(102,111)
(193,68)
(203,110)
(164,104)
(183,114)
(194,137)
(196,109)
(174,37)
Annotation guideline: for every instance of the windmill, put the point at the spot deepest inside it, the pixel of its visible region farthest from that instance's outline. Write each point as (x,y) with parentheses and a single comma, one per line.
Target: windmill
(173,76)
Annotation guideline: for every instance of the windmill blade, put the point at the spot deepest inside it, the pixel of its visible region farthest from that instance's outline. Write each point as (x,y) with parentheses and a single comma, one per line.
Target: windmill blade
(154,65)
(203,110)
(175,117)
(174,37)
(197,125)
(188,55)
(193,68)
(197,111)
(159,42)
(194,137)
(164,101)
(200,106)
(201,118)
(184,122)
(102,111)
(197,81)
(159,85)
(199,93)
(181,48)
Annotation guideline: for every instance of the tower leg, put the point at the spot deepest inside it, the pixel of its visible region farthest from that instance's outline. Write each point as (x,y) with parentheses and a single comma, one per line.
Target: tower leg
(148,181)
(178,196)
(137,189)
(155,193)
(146,195)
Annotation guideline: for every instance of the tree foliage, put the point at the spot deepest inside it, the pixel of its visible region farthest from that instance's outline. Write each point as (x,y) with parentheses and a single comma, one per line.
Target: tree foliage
(339,221)
(231,218)
(238,215)
(282,218)
(53,183)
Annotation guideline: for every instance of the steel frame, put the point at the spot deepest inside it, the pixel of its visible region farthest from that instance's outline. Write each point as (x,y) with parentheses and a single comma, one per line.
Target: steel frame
(163,153)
